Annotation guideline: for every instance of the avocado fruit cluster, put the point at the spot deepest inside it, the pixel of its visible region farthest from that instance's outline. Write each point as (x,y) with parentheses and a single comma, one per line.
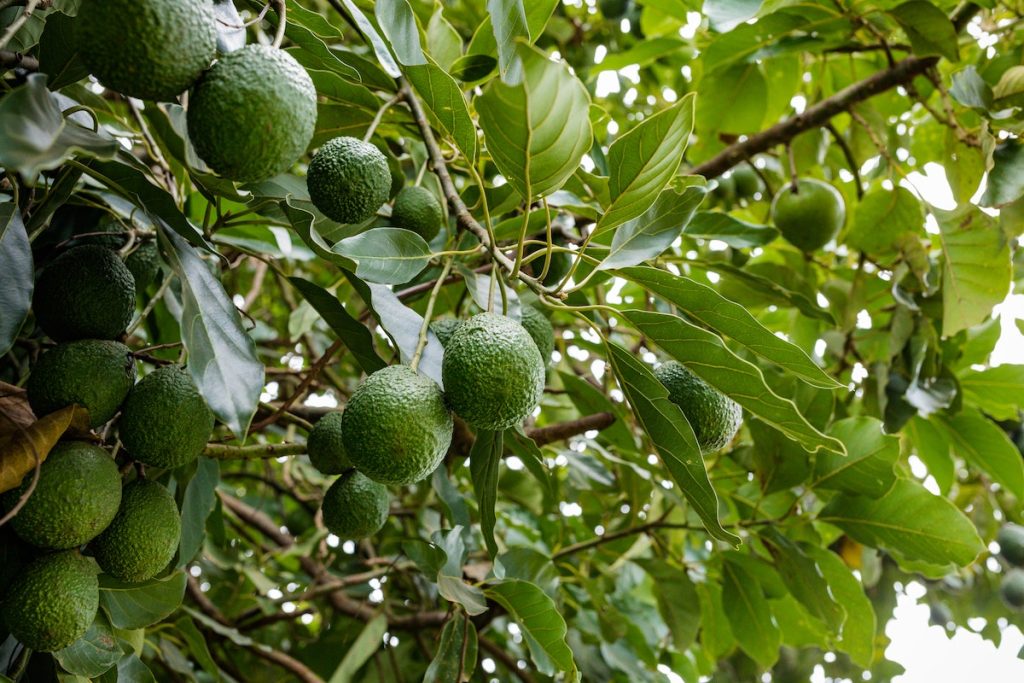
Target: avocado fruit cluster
(714,417)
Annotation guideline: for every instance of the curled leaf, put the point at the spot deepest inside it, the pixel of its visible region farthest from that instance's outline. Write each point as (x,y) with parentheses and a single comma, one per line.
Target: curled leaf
(19,449)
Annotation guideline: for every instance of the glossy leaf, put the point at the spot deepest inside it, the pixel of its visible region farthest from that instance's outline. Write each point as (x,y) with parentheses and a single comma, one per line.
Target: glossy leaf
(868,468)
(196,506)
(369,31)
(542,625)
(929,29)
(749,614)
(360,652)
(984,445)
(94,653)
(998,391)
(398,22)
(403,326)
(858,635)
(1005,183)
(137,605)
(716,225)
(16,263)
(484,464)
(386,256)
(445,100)
(804,580)
(677,599)
(508,22)
(456,652)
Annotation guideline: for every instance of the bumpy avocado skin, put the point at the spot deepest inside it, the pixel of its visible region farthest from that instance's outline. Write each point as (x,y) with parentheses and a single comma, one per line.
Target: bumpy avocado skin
(53,602)
(810,217)
(144,264)
(165,421)
(444,328)
(715,417)
(109,234)
(76,497)
(252,115)
(1011,589)
(396,427)
(492,371)
(85,293)
(348,179)
(94,373)
(325,447)
(141,540)
(417,209)
(1011,544)
(540,329)
(150,49)
(355,506)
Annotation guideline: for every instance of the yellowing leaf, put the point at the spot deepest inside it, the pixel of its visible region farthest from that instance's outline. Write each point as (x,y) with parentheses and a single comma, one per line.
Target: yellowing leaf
(19,450)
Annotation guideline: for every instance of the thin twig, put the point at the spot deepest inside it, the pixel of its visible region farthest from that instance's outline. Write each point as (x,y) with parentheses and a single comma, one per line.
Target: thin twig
(282,21)
(421,342)
(314,371)
(851,160)
(18,22)
(259,451)
(379,116)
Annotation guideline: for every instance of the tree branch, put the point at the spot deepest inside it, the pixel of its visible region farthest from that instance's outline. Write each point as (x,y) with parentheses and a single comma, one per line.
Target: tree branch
(505,658)
(313,373)
(10,60)
(258,451)
(563,430)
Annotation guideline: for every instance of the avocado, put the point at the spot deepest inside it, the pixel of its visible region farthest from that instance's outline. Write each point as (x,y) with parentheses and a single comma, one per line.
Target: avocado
(1011,543)
(396,427)
(325,447)
(252,115)
(444,328)
(1011,589)
(94,373)
(355,506)
(417,209)
(714,417)
(810,217)
(144,263)
(165,421)
(541,331)
(76,497)
(85,293)
(109,234)
(348,180)
(142,539)
(493,372)
(149,49)
(53,602)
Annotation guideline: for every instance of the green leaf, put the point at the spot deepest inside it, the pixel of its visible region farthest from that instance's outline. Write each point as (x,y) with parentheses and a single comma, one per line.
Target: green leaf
(222,356)
(386,256)
(971,90)
(58,52)
(484,464)
(132,669)
(362,649)
(357,337)
(398,22)
(450,584)
(858,636)
(197,646)
(1005,182)
(642,161)
(984,445)
(717,108)
(508,22)
(749,614)
(677,600)
(199,501)
(456,652)
(933,450)
(651,233)
(643,53)
(717,225)
(998,391)
(17,265)
(705,354)
(761,282)
(882,217)
(909,520)
(445,100)
(804,579)
(730,319)
(725,15)
(976,267)
(403,326)
(542,625)
(671,434)
(537,129)
(35,136)
(380,48)
(92,654)
(868,468)
(929,29)
(138,605)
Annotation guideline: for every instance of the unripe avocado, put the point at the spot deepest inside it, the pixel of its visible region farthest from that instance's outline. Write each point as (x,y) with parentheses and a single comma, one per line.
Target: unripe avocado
(492,371)
(252,115)
(94,373)
(746,181)
(165,421)
(714,417)
(348,179)
(1011,544)
(150,49)
(614,9)
(144,264)
(541,331)
(85,293)
(355,506)
(1012,589)
(325,447)
(109,234)
(53,602)
(76,497)
(417,209)
(810,217)
(396,427)
(144,535)
(444,328)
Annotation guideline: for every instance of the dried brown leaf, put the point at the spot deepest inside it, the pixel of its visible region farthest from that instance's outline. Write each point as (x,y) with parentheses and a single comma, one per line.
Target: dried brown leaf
(18,450)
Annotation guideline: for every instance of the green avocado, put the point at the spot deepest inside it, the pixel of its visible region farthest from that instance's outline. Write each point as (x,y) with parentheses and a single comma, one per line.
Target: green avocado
(348,180)
(252,115)
(493,372)
(94,373)
(714,417)
(614,9)
(417,209)
(1011,588)
(109,234)
(149,49)
(165,421)
(355,506)
(540,329)
(1011,543)
(76,497)
(396,427)
(325,447)
(810,217)
(85,293)
(444,328)
(746,181)
(144,263)
(142,539)
(53,602)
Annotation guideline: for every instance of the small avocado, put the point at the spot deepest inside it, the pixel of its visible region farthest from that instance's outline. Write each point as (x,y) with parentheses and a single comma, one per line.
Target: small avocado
(348,180)
(142,539)
(714,417)
(355,506)
(417,209)
(325,447)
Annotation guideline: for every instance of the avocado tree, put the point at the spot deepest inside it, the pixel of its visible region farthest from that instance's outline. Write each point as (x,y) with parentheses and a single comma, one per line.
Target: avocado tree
(511,341)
